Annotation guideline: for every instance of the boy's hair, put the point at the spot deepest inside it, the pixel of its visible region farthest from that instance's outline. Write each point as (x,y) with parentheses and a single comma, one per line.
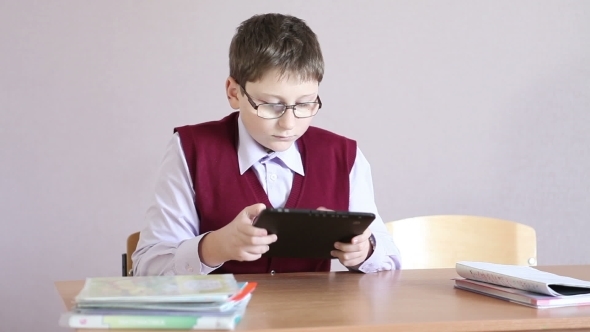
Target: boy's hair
(275,42)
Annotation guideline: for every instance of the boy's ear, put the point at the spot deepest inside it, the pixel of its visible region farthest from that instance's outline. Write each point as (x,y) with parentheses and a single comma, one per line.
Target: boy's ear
(232,89)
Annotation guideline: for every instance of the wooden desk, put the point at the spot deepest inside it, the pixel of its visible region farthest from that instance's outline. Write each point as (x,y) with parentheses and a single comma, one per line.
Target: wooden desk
(407,300)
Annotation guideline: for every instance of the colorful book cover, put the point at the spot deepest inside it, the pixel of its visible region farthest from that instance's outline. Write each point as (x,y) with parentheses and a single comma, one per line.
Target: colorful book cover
(177,289)
(123,319)
(246,288)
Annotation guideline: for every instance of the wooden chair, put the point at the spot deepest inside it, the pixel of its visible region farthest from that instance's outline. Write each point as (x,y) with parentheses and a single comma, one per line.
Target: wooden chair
(126,257)
(441,241)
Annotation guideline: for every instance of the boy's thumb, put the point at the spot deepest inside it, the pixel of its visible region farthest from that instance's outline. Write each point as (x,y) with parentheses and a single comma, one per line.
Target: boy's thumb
(253,211)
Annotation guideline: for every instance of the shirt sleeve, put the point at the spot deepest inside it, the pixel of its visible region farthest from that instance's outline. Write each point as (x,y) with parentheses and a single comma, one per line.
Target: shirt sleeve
(385,255)
(169,244)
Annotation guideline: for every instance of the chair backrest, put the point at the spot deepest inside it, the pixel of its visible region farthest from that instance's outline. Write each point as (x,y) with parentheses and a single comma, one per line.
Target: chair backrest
(131,245)
(441,241)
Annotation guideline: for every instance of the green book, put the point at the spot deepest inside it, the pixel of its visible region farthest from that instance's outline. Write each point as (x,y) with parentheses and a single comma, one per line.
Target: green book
(193,322)
(168,289)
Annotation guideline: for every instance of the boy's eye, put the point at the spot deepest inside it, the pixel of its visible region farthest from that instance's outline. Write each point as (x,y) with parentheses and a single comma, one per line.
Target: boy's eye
(306,106)
(276,107)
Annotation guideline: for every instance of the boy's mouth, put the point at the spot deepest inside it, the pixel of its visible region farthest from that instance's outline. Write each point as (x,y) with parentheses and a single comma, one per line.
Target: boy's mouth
(284,138)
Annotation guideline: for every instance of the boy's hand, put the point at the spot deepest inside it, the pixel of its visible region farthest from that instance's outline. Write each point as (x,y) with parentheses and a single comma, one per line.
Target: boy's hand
(354,253)
(239,240)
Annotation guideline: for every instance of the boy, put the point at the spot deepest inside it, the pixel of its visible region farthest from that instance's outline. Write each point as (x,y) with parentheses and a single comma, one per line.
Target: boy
(216,177)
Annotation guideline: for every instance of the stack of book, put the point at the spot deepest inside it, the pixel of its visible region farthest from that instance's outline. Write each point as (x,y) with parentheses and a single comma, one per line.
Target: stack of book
(191,302)
(522,284)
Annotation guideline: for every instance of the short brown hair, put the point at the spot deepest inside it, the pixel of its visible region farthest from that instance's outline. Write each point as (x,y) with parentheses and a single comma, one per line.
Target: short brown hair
(275,41)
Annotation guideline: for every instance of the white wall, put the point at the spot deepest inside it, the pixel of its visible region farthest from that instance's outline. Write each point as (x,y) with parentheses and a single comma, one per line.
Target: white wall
(470,107)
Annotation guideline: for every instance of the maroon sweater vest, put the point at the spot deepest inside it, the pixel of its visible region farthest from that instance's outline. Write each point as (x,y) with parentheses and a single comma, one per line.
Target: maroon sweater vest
(210,151)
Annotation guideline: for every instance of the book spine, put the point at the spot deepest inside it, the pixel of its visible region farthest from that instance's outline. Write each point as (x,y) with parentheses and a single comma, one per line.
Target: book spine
(148,322)
(499,297)
(491,290)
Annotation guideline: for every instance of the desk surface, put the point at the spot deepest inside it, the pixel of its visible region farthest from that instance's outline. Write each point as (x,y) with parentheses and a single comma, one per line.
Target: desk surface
(406,300)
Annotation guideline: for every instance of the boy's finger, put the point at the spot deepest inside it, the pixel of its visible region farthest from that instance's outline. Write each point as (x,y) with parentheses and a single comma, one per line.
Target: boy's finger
(363,237)
(346,258)
(255,235)
(252,231)
(272,238)
(261,240)
(347,247)
(256,250)
(246,256)
(337,254)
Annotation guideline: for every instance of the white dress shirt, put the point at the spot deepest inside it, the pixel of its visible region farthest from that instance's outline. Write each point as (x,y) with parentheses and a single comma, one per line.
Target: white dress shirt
(169,243)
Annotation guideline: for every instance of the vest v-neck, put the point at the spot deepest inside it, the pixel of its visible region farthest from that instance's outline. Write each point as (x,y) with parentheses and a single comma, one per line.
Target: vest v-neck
(296,187)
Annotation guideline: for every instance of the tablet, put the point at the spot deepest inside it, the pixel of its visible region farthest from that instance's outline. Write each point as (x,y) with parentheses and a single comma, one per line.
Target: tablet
(310,233)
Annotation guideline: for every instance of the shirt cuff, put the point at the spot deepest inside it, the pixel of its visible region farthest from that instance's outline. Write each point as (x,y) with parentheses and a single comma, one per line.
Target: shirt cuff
(187,260)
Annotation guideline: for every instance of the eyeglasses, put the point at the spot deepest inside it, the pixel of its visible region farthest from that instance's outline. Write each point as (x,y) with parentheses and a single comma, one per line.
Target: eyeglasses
(276,110)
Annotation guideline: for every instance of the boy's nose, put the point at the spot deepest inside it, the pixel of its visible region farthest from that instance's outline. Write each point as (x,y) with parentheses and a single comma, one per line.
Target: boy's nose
(287,121)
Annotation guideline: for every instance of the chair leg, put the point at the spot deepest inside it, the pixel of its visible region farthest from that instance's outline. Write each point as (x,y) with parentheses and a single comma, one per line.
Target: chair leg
(124,264)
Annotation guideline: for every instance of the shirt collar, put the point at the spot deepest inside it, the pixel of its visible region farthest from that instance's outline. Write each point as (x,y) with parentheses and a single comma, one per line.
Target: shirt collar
(250,152)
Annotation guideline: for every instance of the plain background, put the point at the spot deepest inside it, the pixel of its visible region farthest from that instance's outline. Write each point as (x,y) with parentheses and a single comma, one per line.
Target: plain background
(462,107)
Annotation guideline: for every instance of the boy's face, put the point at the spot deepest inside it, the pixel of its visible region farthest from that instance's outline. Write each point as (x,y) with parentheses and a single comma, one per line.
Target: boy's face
(274,134)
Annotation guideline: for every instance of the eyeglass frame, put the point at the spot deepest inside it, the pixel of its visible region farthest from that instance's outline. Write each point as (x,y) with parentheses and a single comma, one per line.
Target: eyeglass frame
(286,107)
